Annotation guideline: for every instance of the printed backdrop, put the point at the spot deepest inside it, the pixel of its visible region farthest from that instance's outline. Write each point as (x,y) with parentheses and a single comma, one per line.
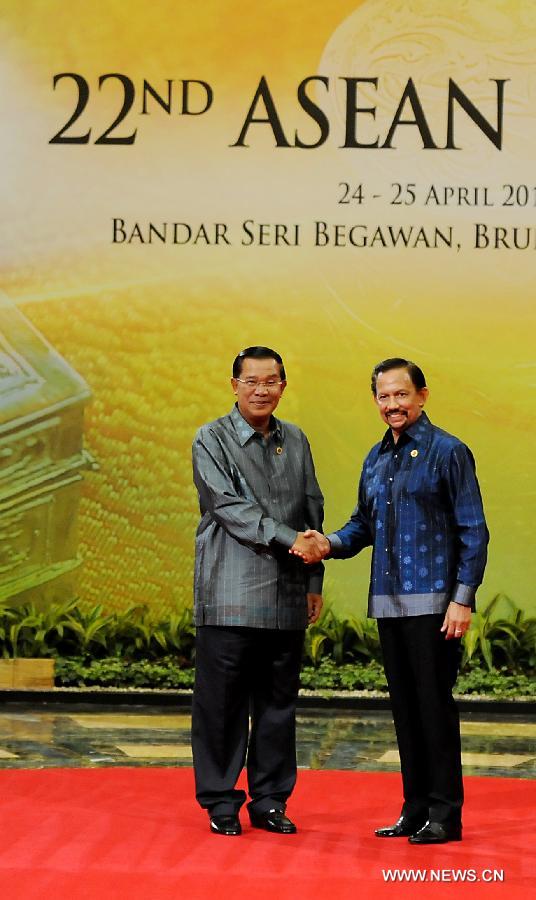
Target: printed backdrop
(343,182)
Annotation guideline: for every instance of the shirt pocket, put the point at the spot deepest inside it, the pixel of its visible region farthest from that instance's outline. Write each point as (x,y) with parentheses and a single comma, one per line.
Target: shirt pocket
(422,484)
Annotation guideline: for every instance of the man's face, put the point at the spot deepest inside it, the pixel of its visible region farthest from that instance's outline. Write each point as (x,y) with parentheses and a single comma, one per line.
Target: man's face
(257,399)
(398,400)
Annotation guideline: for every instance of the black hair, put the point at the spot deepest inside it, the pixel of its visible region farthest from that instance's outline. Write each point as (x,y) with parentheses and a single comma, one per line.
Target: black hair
(415,373)
(257,353)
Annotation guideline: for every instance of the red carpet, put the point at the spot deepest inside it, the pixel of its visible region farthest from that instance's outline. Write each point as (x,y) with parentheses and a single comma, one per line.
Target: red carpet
(137,834)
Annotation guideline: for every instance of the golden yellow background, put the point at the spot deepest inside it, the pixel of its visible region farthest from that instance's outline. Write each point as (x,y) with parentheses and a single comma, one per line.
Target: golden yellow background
(153,329)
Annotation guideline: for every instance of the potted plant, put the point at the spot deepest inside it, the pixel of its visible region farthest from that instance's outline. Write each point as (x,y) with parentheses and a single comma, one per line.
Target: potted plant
(28,640)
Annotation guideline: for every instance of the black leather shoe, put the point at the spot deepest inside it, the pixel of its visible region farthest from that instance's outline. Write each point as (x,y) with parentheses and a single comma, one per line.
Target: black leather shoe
(229,825)
(273,820)
(435,833)
(405,826)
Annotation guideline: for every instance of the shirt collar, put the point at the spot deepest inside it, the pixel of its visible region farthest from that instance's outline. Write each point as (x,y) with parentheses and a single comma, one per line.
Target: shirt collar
(245,431)
(418,432)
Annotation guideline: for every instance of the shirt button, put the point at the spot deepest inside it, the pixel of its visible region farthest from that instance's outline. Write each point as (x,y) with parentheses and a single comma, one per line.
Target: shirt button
(390,479)
(388,503)
(387,573)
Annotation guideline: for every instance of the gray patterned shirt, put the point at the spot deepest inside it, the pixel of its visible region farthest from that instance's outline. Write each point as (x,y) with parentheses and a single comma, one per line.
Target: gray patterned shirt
(254,496)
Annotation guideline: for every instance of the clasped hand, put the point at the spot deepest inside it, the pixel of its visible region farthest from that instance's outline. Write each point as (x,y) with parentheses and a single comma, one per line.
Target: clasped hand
(311,546)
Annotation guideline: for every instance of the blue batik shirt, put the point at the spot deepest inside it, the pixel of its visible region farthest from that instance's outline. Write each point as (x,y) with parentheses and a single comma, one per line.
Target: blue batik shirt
(419,506)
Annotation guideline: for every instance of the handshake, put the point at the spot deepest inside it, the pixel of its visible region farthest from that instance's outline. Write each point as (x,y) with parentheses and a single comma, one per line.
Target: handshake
(311,546)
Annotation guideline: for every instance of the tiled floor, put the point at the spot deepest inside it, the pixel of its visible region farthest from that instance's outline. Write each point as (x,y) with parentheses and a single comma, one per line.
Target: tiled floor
(44,737)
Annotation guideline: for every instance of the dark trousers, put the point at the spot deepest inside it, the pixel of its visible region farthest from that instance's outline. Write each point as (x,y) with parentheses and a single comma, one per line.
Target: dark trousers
(421,668)
(241,671)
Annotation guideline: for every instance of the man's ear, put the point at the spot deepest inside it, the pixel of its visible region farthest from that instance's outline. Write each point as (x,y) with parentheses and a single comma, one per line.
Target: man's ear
(424,394)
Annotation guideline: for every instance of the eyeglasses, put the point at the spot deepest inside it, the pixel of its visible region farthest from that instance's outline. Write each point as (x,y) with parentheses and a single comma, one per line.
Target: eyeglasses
(252,383)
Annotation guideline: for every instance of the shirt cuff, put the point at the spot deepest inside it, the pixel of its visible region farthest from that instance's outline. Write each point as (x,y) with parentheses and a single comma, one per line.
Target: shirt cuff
(314,584)
(335,542)
(285,535)
(463,594)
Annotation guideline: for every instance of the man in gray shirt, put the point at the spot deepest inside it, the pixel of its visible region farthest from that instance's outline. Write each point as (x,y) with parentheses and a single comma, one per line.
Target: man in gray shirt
(252,600)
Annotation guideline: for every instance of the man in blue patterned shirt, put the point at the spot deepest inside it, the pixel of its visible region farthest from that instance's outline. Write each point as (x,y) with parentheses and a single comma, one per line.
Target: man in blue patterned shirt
(420,508)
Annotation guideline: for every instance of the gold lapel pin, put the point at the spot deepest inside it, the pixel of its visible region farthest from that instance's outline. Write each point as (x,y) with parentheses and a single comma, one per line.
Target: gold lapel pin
(279,450)
(414,453)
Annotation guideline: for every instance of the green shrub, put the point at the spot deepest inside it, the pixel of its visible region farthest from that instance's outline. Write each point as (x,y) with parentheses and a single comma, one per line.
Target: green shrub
(341,639)
(348,677)
(499,683)
(133,649)
(31,632)
(70,630)
(326,678)
(506,640)
(166,673)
